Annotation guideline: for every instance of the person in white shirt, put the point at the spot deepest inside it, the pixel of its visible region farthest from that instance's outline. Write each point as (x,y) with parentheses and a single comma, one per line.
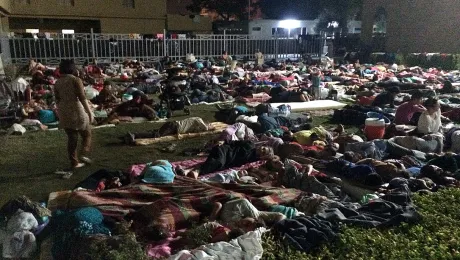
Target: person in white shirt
(429,123)
(259,58)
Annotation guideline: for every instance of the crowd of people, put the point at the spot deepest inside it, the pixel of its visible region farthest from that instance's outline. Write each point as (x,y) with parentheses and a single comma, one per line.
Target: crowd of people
(293,152)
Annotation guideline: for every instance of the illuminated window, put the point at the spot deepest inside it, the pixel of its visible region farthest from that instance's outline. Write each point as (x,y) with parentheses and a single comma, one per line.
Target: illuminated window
(128,3)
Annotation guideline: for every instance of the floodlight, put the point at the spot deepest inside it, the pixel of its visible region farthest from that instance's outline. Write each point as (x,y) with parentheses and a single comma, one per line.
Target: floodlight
(289,24)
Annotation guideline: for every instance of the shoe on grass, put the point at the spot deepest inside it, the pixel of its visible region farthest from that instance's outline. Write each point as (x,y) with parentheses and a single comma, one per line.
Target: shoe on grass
(86,160)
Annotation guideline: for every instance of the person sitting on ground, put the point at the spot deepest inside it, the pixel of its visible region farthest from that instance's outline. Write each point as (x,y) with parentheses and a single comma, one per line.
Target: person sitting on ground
(429,124)
(406,111)
(386,98)
(259,58)
(240,213)
(135,107)
(106,95)
(226,59)
(186,126)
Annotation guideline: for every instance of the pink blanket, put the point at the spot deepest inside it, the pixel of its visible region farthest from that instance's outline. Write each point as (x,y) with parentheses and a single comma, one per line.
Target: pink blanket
(135,170)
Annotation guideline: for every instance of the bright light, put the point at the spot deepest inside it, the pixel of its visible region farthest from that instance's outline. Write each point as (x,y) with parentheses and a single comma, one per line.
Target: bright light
(333,24)
(289,24)
(32,30)
(65,31)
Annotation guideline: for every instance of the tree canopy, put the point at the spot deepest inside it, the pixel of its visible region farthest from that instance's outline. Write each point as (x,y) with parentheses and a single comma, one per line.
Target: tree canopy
(225,9)
(292,9)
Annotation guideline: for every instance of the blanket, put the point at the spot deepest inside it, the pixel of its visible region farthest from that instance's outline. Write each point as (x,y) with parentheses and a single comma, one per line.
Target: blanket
(215,128)
(259,97)
(136,170)
(175,205)
(248,246)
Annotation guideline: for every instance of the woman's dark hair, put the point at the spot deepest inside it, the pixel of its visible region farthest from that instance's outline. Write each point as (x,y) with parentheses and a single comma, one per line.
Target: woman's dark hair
(349,156)
(235,233)
(431,102)
(417,95)
(67,67)
(260,223)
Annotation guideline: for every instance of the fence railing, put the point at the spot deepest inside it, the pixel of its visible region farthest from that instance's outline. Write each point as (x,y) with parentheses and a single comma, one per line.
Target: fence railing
(105,48)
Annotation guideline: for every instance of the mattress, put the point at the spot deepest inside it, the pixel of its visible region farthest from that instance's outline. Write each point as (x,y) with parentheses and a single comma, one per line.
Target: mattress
(312,105)
(217,127)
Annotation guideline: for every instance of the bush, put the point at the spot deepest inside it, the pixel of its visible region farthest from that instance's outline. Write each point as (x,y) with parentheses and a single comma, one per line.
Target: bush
(435,237)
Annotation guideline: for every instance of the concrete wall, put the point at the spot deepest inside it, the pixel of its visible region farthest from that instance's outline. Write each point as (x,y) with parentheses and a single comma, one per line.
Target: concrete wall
(154,9)
(147,16)
(416,25)
(141,26)
(5,5)
(185,23)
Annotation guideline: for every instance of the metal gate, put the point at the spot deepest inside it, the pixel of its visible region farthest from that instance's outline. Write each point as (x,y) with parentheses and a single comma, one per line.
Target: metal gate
(106,48)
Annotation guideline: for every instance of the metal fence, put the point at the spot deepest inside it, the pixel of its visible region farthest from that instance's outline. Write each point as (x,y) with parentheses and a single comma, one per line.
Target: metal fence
(107,48)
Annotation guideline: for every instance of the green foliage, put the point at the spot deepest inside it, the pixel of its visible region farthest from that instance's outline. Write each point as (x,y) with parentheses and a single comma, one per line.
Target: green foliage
(435,237)
(197,236)
(124,247)
(226,10)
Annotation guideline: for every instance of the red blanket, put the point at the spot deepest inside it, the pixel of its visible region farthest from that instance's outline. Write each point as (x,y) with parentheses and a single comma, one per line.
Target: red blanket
(174,205)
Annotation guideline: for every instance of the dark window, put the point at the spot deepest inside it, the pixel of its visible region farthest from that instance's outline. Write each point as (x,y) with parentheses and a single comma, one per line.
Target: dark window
(128,4)
(257,29)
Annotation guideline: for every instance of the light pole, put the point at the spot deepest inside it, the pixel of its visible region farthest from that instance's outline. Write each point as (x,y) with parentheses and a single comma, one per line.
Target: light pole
(249,10)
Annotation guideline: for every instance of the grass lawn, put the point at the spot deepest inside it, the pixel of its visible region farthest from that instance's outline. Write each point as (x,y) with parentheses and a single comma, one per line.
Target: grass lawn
(28,162)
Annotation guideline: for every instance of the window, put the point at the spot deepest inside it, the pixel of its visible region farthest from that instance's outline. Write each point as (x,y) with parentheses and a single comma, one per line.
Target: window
(257,29)
(128,3)
(20,2)
(66,2)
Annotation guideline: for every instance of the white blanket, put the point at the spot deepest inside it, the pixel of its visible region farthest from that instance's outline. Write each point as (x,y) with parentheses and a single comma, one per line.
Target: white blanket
(245,247)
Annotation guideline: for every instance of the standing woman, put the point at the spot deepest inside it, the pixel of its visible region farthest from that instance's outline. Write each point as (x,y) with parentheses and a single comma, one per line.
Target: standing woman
(75,116)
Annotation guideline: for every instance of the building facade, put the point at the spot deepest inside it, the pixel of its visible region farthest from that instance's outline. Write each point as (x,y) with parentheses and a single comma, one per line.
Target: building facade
(413,26)
(103,16)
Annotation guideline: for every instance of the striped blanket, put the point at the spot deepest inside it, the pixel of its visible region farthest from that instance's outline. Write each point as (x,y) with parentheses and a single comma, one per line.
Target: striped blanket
(174,205)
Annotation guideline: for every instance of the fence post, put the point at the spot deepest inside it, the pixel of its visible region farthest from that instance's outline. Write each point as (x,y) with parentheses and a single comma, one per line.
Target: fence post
(93,49)
(225,40)
(165,45)
(276,45)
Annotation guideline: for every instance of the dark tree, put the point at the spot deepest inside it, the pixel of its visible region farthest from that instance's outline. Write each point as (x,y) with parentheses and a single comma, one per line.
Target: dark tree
(225,9)
(340,11)
(290,9)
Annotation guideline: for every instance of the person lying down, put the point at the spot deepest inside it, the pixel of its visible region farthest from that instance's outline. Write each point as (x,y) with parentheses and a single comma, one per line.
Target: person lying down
(186,126)
(227,155)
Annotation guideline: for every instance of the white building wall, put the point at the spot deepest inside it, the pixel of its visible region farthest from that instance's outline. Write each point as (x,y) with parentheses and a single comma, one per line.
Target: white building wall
(264,28)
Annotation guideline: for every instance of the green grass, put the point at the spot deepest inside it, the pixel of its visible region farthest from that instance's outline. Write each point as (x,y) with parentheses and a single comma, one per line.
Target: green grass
(28,162)
(435,237)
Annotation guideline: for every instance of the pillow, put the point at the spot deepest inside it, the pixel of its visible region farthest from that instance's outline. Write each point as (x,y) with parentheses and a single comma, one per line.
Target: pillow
(46,116)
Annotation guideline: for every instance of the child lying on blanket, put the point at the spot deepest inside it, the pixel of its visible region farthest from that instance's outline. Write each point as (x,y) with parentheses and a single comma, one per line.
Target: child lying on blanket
(240,213)
(188,125)
(212,231)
